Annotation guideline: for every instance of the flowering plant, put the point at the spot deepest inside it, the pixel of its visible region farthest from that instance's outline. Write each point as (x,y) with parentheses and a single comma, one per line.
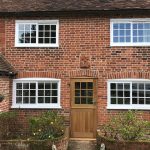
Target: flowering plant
(49,125)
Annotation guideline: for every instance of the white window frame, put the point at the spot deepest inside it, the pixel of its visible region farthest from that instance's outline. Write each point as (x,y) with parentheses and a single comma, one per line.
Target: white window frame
(126,106)
(36,105)
(137,20)
(51,22)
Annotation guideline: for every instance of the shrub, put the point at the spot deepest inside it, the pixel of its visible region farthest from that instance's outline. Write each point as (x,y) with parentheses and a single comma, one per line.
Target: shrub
(126,126)
(8,125)
(47,126)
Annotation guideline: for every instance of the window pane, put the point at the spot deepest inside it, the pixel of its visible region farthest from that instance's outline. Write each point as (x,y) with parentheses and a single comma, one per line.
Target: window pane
(41,40)
(134,101)
(40,92)
(141,101)
(147,86)
(116,33)
(32,85)
(25,100)
(122,26)
(126,86)
(115,26)
(33,40)
(120,86)
(122,39)
(148,101)
(90,92)
(77,92)
(54,86)
(25,85)
(27,27)
(53,27)
(126,93)
(40,99)
(115,39)
(127,101)
(54,99)
(26,93)
(113,93)
(21,27)
(47,27)
(113,85)
(83,85)
(134,86)
(19,100)
(134,93)
(41,27)
(128,32)
(47,86)
(47,34)
(41,34)
(32,93)
(53,40)
(83,100)
(147,93)
(33,33)
(47,40)
(32,100)
(77,85)
(47,93)
(90,85)
(113,101)
(53,34)
(128,39)
(77,100)
(120,100)
(19,93)
(40,85)
(120,93)
(83,92)
(54,92)
(141,93)
(134,26)
(47,100)
(89,101)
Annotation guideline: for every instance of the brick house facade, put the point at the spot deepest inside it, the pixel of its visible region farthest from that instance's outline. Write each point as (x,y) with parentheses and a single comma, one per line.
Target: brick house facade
(84,54)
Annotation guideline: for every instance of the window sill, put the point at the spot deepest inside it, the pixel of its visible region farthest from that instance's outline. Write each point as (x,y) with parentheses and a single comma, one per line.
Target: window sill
(130,44)
(134,107)
(36,106)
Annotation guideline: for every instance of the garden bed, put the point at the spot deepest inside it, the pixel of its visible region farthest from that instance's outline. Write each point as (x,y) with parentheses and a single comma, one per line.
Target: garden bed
(61,144)
(122,145)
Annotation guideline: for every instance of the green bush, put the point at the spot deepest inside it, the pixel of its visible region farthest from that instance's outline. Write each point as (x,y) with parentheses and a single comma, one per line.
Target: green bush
(8,125)
(47,126)
(126,126)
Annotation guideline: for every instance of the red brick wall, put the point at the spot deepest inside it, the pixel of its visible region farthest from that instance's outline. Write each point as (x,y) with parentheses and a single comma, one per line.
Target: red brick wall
(80,36)
(2,35)
(5,90)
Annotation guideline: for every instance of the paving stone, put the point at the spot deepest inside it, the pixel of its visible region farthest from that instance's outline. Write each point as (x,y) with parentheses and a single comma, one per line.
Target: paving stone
(82,145)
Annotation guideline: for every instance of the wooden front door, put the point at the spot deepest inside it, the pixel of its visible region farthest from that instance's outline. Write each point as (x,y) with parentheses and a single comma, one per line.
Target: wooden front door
(83,108)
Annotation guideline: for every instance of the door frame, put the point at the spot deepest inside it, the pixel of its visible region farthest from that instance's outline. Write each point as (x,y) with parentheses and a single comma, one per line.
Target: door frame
(72,106)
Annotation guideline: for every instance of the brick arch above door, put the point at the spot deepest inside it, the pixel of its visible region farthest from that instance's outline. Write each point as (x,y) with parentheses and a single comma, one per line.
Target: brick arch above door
(84,73)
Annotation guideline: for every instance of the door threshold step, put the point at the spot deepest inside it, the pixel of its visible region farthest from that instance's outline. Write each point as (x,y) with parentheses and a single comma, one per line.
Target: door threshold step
(82,139)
